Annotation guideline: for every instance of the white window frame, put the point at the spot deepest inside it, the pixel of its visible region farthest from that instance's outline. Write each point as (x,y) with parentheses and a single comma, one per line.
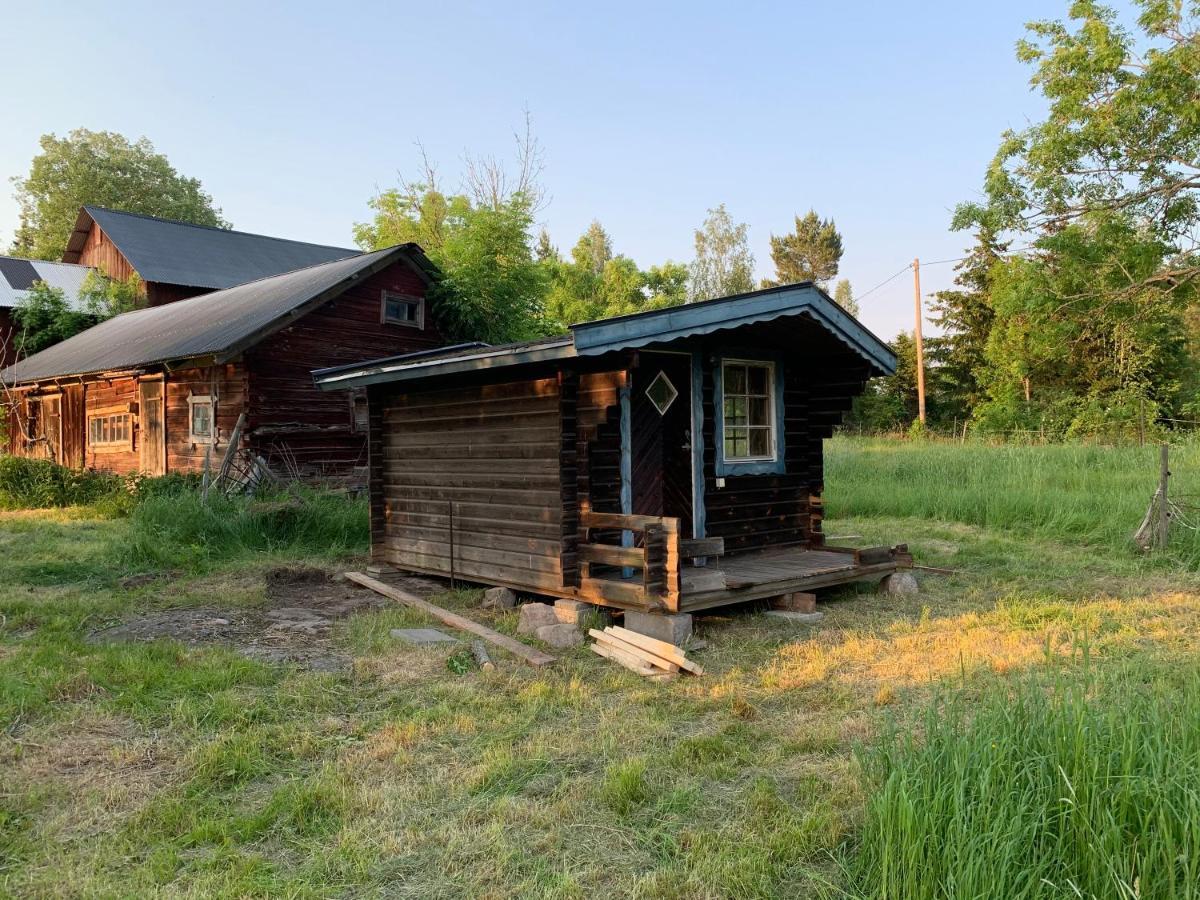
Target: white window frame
(202,400)
(772,410)
(110,414)
(396,296)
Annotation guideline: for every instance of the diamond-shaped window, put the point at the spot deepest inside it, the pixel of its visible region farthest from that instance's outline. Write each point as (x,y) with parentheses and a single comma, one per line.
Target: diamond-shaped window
(662,393)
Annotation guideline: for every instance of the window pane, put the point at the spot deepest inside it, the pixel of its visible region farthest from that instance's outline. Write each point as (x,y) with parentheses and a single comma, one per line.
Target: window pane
(760,411)
(758,380)
(760,442)
(735,380)
(735,410)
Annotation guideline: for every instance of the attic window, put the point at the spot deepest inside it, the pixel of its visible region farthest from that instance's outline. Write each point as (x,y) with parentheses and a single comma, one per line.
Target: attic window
(403,309)
(662,393)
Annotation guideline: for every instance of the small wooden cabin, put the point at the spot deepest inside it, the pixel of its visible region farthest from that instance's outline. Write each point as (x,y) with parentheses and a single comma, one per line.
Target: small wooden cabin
(177,260)
(160,389)
(668,460)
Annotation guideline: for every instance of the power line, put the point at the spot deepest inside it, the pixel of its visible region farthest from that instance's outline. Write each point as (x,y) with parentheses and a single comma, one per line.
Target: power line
(882,283)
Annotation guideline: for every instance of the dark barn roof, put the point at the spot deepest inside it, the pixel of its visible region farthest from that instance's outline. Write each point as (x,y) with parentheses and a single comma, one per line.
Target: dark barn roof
(220,324)
(656,327)
(169,252)
(17,276)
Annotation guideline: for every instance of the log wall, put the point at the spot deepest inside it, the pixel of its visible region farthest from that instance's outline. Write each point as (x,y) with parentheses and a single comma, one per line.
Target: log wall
(227,386)
(490,451)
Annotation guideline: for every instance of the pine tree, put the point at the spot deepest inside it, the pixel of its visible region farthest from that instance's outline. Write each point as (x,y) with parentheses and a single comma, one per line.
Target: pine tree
(811,252)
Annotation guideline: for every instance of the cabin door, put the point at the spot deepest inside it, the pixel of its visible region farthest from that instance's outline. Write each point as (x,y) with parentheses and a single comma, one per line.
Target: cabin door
(661,437)
(52,427)
(153,436)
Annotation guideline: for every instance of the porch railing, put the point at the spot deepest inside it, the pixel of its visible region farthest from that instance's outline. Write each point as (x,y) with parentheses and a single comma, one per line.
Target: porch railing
(655,556)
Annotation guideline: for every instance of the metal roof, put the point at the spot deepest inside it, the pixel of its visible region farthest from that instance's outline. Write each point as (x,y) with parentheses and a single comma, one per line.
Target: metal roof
(172,252)
(17,276)
(655,327)
(220,324)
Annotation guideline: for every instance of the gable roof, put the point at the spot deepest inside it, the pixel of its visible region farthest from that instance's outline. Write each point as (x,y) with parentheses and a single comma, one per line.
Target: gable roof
(18,275)
(630,332)
(170,252)
(221,324)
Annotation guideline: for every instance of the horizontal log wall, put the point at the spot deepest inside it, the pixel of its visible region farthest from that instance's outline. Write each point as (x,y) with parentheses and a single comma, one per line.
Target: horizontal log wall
(8,338)
(291,423)
(111,394)
(227,386)
(493,451)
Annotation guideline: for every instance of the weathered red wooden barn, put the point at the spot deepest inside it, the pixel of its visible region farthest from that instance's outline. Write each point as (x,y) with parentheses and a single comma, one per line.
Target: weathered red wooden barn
(177,260)
(605,464)
(160,389)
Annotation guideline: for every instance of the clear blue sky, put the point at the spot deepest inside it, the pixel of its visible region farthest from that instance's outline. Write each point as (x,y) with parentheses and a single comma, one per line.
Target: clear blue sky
(882,116)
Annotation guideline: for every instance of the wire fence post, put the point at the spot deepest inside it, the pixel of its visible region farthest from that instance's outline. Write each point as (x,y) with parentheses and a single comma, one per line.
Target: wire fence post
(1164,512)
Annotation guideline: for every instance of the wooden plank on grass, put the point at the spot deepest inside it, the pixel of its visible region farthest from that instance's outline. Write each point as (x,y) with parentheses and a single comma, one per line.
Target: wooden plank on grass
(620,657)
(633,650)
(515,647)
(664,649)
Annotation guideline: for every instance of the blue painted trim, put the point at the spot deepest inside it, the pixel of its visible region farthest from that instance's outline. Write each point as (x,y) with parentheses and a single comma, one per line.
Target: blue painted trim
(626,469)
(698,510)
(642,329)
(776,466)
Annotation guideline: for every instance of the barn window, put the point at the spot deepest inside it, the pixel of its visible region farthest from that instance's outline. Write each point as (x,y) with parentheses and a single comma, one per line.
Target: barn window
(202,428)
(662,393)
(110,430)
(403,309)
(360,420)
(749,418)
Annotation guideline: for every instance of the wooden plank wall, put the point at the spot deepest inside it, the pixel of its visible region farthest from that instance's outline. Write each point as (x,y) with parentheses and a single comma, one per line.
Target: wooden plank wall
(110,393)
(227,386)
(493,451)
(292,424)
(8,338)
(101,253)
(600,418)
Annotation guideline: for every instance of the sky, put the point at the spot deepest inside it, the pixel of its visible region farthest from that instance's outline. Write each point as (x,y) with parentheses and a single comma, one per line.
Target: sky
(882,116)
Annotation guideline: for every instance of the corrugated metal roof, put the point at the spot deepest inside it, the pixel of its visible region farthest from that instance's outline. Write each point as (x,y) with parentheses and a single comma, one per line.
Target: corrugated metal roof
(14,284)
(196,255)
(220,323)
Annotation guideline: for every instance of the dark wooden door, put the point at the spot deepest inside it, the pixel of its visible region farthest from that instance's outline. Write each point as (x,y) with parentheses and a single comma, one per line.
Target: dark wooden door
(153,434)
(52,427)
(661,439)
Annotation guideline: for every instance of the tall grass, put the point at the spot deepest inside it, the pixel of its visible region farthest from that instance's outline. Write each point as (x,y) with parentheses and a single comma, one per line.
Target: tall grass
(1080,492)
(1085,787)
(42,484)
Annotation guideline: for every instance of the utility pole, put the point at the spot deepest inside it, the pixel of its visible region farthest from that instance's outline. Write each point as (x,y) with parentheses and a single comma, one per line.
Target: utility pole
(919,341)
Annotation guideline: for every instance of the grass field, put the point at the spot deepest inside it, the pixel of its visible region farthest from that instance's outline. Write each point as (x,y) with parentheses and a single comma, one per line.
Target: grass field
(1028,724)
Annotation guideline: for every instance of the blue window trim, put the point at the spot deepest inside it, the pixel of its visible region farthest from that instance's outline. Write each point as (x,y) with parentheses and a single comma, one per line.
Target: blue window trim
(776,466)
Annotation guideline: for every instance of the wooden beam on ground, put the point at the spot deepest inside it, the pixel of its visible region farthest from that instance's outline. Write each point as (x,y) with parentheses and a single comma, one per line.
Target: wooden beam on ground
(615,643)
(663,649)
(515,647)
(628,660)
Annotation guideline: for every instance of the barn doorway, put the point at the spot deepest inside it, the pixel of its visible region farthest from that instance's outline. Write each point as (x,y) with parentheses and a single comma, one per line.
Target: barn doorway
(152,451)
(661,437)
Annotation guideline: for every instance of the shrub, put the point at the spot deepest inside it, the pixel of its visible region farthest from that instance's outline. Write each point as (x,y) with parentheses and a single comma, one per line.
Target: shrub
(40,484)
(1083,788)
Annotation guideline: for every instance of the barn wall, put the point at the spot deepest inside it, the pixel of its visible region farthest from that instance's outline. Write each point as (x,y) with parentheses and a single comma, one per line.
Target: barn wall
(227,384)
(8,338)
(101,253)
(490,450)
(114,394)
(295,425)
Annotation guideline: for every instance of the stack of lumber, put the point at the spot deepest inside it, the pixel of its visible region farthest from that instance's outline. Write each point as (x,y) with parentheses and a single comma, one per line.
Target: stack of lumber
(644,655)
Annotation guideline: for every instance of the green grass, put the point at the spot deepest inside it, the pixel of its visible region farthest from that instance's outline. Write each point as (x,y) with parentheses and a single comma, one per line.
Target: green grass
(162,769)
(1084,785)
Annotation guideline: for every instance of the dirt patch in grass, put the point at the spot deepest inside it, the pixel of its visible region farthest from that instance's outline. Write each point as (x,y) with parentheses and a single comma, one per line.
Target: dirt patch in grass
(294,626)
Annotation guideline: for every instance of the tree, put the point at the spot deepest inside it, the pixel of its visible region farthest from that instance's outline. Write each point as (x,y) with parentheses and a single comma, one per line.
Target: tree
(843,295)
(492,287)
(890,403)
(724,264)
(811,252)
(104,169)
(959,355)
(1121,136)
(45,316)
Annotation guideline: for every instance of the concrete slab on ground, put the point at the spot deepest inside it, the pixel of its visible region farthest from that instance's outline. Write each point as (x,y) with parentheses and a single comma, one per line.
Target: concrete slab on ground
(423,636)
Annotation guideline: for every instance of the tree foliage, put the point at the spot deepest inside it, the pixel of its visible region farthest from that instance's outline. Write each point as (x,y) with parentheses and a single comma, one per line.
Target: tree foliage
(723,264)
(811,252)
(843,296)
(100,168)
(45,317)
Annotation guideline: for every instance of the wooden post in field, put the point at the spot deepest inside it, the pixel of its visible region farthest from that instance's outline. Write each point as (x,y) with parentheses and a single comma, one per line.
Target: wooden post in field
(1164,515)
(919,342)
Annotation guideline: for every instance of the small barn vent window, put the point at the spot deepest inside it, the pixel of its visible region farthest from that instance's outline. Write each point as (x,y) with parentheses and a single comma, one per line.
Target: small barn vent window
(748,411)
(403,309)
(360,420)
(202,428)
(109,430)
(662,393)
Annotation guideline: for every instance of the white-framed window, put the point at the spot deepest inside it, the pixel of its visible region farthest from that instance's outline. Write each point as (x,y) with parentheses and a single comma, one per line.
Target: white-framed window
(748,413)
(110,430)
(202,426)
(402,309)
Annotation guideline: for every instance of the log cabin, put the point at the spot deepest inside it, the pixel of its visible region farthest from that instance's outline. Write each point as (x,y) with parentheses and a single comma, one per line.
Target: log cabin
(176,260)
(17,276)
(665,461)
(159,390)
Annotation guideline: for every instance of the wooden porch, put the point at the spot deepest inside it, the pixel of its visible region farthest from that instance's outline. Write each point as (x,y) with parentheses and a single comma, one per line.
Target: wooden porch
(640,562)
